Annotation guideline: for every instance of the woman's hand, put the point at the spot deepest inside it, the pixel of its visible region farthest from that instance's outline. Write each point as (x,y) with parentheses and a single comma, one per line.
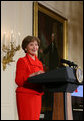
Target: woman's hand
(39,72)
(36,73)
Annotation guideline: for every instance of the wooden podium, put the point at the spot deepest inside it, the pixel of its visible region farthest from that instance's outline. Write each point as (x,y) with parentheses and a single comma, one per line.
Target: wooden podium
(61,82)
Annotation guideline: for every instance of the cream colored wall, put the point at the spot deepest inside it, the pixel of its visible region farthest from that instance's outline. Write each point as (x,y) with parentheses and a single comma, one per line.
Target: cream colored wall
(17,16)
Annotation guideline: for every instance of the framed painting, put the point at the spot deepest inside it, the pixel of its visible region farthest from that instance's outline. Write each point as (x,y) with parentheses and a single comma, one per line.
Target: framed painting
(46,23)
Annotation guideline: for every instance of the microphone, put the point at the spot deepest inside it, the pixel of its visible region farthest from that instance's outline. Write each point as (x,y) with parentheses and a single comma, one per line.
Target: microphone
(68,62)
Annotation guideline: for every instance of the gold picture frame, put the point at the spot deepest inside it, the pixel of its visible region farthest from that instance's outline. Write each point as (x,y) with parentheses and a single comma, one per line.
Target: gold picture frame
(37,7)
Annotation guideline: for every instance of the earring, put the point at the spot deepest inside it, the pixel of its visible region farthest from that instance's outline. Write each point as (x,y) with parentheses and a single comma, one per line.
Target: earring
(25,49)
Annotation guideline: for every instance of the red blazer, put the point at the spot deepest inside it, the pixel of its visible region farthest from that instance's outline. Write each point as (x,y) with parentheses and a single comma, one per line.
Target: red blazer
(26,66)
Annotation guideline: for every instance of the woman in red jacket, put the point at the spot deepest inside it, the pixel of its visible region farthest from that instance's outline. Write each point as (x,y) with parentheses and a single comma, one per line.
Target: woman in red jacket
(28,96)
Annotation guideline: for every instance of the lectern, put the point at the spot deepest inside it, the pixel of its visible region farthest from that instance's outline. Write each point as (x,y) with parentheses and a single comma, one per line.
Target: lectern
(61,82)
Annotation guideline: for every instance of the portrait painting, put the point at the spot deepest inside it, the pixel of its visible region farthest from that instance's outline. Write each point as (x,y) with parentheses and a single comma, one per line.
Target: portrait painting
(47,22)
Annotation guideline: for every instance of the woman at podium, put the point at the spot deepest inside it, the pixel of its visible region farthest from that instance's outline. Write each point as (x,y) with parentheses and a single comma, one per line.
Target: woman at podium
(28,96)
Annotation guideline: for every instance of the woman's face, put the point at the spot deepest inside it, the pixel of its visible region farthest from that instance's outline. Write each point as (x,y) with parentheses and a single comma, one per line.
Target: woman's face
(32,48)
